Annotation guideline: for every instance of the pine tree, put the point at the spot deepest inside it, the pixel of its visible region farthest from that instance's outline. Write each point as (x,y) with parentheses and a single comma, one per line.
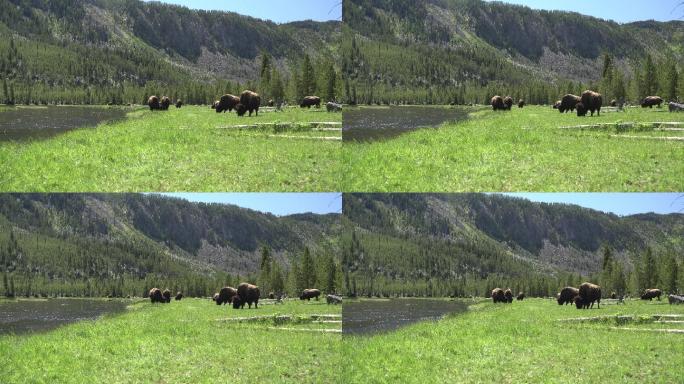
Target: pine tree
(308,80)
(331,84)
(650,80)
(649,273)
(277,280)
(672,81)
(307,271)
(277,87)
(331,275)
(264,280)
(672,275)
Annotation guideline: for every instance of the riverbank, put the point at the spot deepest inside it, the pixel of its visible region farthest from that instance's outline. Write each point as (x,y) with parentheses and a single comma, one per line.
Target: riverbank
(188,149)
(528,341)
(189,341)
(530,149)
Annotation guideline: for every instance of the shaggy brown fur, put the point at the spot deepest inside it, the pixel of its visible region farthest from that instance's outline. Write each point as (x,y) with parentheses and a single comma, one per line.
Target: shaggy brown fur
(521,296)
(226,295)
(179,103)
(153,103)
(226,103)
(309,294)
(498,295)
(498,103)
(249,101)
(521,103)
(650,294)
(509,296)
(164,103)
(567,295)
(650,101)
(179,296)
(588,294)
(246,293)
(508,102)
(156,295)
(167,296)
(568,103)
(557,104)
(591,102)
(310,101)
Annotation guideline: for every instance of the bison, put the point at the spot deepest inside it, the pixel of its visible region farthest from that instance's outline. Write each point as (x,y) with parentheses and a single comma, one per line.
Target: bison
(226,103)
(508,295)
(333,107)
(613,295)
(310,101)
(521,103)
(568,103)
(153,103)
(675,107)
(498,295)
(271,103)
(588,294)
(167,296)
(613,103)
(246,293)
(649,294)
(309,294)
(557,104)
(226,295)
(508,102)
(215,104)
(156,296)
(591,101)
(674,299)
(333,299)
(521,296)
(497,103)
(249,101)
(650,101)
(179,296)
(164,103)
(215,297)
(179,103)
(567,295)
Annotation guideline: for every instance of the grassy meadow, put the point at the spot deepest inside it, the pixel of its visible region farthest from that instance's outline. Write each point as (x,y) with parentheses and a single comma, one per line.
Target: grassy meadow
(524,150)
(187,149)
(522,342)
(191,341)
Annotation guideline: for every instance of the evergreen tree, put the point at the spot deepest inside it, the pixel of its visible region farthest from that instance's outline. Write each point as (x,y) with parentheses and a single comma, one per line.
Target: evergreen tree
(307,271)
(331,84)
(308,80)
(277,280)
(672,81)
(672,275)
(277,87)
(264,280)
(650,80)
(649,272)
(331,275)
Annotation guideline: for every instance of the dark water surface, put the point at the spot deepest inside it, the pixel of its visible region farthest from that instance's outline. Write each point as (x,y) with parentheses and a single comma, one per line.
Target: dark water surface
(381,123)
(22,316)
(21,123)
(374,316)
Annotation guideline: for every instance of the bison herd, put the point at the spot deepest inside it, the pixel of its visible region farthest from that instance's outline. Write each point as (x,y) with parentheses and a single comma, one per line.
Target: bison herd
(157,296)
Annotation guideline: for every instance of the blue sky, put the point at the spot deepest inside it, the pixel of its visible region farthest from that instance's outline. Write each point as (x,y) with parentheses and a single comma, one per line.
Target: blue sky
(280,11)
(622,11)
(618,203)
(276,203)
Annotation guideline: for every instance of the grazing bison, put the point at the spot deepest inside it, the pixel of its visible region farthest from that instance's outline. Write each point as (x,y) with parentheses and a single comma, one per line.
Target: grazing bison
(164,103)
(333,107)
(226,103)
(498,295)
(153,103)
(249,101)
(179,296)
(226,295)
(167,296)
(591,101)
(674,299)
(588,294)
(613,295)
(497,103)
(215,297)
(568,103)
(156,296)
(309,294)
(649,294)
(613,103)
(246,293)
(521,103)
(333,299)
(310,101)
(650,101)
(271,103)
(521,296)
(215,104)
(567,295)
(508,102)
(675,107)
(557,104)
(179,103)
(508,295)
(271,295)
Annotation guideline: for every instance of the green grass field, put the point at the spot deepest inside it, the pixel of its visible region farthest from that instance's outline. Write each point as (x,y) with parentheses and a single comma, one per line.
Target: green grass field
(182,342)
(523,150)
(188,149)
(523,342)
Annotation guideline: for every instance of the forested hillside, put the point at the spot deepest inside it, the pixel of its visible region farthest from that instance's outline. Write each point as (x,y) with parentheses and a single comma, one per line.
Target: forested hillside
(112,51)
(466,244)
(120,245)
(465,51)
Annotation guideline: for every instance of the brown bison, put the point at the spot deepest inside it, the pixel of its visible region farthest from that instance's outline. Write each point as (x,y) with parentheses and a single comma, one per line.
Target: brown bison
(226,295)
(557,104)
(179,296)
(567,295)
(588,294)
(508,102)
(675,299)
(215,104)
(568,103)
(153,103)
(249,101)
(246,293)
(215,297)
(649,294)
(650,101)
(591,101)
(497,103)
(498,295)
(179,103)
(521,296)
(309,294)
(164,103)
(508,295)
(333,299)
(613,295)
(167,296)
(310,101)
(226,103)
(271,295)
(156,296)
(521,103)
(613,103)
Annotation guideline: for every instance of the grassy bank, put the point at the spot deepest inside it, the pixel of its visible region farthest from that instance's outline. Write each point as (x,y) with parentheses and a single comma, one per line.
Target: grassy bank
(522,150)
(522,342)
(188,149)
(191,341)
